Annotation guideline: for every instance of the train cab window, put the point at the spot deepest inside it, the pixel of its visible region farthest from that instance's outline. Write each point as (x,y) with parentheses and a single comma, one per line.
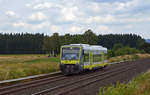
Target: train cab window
(70,53)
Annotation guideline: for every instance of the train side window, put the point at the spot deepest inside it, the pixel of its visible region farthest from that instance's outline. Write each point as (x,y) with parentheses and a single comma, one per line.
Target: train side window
(86,57)
(97,58)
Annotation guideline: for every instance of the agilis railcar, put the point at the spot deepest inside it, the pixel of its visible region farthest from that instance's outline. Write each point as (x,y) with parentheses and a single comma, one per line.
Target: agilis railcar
(75,58)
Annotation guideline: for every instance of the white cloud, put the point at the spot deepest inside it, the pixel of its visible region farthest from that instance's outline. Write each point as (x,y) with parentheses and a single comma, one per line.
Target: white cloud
(11,13)
(134,20)
(55,28)
(94,7)
(35,27)
(38,5)
(69,14)
(103,29)
(129,26)
(44,5)
(101,19)
(19,24)
(42,25)
(30,26)
(126,5)
(38,16)
(76,29)
(28,5)
(148,18)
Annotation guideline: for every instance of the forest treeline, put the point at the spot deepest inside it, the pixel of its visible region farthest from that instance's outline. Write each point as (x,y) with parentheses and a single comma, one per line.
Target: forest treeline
(40,43)
(21,43)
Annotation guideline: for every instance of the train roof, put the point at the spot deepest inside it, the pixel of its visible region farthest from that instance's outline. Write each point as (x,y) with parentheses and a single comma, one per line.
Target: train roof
(96,49)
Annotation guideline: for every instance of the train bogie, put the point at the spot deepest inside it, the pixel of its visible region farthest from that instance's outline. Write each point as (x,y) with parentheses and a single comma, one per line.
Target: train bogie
(68,69)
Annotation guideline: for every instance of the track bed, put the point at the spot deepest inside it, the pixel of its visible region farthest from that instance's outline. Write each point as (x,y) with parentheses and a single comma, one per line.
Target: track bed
(84,84)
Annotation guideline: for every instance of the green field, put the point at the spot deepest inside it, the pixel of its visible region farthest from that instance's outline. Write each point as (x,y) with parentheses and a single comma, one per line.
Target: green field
(17,66)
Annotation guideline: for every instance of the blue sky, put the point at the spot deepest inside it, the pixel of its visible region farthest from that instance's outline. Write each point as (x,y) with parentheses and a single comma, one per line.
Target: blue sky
(75,16)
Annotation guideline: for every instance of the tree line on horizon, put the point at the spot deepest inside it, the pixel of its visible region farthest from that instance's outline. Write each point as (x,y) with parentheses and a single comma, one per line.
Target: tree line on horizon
(21,43)
(41,44)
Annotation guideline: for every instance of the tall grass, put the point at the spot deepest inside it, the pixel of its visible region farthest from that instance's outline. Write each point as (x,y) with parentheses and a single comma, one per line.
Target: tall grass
(11,71)
(26,58)
(123,58)
(128,57)
(16,66)
(138,86)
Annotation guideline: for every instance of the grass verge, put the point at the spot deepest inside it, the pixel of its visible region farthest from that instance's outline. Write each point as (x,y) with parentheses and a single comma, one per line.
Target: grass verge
(138,86)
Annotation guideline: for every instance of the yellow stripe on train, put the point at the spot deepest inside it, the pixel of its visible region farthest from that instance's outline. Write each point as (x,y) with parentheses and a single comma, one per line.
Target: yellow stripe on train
(69,61)
(95,65)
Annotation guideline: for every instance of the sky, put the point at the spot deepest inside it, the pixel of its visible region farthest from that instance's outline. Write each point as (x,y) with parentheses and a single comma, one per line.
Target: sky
(75,16)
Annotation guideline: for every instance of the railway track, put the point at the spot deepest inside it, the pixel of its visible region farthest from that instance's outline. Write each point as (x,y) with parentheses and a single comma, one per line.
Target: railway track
(71,86)
(63,88)
(30,84)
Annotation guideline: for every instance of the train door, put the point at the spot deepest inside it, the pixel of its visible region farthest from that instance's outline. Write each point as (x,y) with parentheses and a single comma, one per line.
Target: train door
(86,61)
(90,60)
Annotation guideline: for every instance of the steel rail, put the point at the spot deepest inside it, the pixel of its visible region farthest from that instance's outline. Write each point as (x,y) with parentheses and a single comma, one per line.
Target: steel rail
(90,82)
(29,77)
(78,81)
(18,87)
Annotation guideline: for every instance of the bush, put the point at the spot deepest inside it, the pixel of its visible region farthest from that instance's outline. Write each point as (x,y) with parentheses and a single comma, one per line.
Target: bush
(123,51)
(146,47)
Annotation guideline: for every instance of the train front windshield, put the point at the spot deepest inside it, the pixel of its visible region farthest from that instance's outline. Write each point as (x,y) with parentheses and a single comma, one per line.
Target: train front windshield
(70,53)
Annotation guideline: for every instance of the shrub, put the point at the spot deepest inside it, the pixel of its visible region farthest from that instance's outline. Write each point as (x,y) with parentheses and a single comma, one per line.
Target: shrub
(123,51)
